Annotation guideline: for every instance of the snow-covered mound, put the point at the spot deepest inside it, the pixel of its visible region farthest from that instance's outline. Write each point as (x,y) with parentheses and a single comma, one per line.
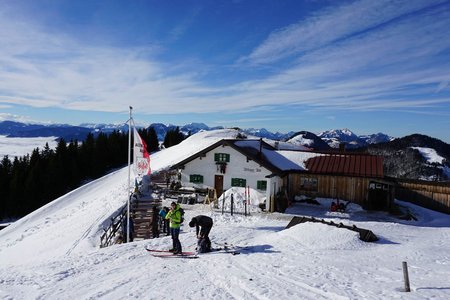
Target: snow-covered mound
(240,196)
(317,236)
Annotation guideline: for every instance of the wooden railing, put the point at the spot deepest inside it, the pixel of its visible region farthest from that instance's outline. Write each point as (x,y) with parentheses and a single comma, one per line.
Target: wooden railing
(109,235)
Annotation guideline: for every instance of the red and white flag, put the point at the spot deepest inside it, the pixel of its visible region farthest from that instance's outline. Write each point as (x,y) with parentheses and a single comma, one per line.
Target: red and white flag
(141,157)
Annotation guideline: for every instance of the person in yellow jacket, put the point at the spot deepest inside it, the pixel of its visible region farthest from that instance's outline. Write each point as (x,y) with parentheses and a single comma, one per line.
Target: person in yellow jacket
(174,216)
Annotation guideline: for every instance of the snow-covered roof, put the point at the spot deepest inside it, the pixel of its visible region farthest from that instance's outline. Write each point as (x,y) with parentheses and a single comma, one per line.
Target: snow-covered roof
(299,157)
(192,145)
(269,155)
(255,149)
(276,161)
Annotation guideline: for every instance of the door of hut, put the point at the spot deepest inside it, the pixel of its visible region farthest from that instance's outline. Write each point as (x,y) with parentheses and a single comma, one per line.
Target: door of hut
(218,184)
(378,196)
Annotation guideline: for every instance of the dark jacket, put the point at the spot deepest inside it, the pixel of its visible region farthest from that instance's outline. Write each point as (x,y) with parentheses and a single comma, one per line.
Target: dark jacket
(202,221)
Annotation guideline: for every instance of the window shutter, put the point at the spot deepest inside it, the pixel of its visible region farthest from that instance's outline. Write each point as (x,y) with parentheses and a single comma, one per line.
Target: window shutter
(261,185)
(239,182)
(196,178)
(222,157)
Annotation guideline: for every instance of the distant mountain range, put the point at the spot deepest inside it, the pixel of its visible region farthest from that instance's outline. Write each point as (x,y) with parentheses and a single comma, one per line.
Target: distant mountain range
(403,157)
(333,137)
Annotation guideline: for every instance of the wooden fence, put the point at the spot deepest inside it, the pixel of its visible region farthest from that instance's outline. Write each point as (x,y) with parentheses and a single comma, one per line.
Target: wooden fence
(432,195)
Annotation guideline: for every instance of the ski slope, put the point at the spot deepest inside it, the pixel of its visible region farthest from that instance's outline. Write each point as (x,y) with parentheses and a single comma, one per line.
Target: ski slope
(54,252)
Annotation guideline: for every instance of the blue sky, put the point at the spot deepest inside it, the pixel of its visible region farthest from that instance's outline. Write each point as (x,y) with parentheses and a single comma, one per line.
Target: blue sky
(370,66)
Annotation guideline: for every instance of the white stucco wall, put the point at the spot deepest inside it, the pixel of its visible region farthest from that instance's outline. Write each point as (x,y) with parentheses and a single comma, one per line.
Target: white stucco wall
(238,167)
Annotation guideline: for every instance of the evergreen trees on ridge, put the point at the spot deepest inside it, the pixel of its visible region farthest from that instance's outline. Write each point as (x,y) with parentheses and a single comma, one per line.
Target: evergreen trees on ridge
(31,181)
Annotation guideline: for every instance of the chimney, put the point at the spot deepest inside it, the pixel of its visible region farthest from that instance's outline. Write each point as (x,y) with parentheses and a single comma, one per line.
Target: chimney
(260,148)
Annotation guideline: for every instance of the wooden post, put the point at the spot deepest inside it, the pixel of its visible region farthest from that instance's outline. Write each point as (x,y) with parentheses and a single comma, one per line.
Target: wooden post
(406,277)
(245,207)
(232,204)
(245,201)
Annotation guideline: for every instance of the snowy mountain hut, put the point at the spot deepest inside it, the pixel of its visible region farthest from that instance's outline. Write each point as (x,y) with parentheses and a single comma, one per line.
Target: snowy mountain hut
(236,163)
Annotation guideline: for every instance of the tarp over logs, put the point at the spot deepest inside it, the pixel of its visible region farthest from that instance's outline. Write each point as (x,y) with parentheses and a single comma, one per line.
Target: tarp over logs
(364,234)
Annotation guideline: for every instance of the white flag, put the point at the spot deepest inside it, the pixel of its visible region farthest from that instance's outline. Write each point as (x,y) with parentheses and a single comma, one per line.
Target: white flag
(141,157)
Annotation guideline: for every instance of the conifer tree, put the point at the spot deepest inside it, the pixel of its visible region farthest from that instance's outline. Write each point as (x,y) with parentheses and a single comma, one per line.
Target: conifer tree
(173,137)
(153,143)
(5,179)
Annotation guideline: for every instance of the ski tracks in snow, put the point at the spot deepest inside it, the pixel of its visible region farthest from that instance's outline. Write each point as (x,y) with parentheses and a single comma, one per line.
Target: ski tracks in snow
(117,192)
(252,280)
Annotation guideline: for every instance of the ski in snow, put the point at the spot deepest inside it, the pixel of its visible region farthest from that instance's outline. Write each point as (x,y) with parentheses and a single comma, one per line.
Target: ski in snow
(171,255)
(167,253)
(225,250)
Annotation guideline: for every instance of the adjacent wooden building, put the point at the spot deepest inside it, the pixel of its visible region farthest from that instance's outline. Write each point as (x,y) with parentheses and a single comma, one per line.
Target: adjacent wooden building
(352,177)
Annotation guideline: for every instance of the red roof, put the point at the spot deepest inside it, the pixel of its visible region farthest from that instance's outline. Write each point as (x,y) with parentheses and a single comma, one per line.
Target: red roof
(361,165)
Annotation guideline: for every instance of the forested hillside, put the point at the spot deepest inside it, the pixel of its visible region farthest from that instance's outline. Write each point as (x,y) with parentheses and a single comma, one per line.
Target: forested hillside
(31,181)
(402,161)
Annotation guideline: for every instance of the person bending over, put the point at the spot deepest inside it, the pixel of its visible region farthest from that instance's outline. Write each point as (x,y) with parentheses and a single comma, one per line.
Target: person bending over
(203,226)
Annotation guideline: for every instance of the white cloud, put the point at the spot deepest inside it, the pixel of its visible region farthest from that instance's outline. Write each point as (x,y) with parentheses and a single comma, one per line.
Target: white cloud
(331,25)
(17,118)
(396,64)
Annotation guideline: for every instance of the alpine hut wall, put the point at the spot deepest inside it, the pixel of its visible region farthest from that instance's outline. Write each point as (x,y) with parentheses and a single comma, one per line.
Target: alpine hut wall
(351,177)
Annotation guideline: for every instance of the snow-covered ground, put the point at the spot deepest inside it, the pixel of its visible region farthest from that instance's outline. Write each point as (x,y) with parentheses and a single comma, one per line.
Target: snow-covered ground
(22,146)
(54,253)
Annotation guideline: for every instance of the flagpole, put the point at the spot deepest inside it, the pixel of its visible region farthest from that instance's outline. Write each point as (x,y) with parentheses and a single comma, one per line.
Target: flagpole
(129,178)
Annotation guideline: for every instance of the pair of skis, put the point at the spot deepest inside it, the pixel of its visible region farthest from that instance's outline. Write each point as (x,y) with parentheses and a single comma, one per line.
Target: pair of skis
(225,248)
(169,254)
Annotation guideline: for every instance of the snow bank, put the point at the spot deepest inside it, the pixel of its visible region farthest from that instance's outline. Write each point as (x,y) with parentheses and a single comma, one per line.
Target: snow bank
(239,197)
(317,236)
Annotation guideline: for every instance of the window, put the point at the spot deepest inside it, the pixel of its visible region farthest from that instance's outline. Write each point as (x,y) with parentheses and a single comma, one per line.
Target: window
(308,184)
(222,157)
(196,178)
(261,185)
(378,186)
(238,182)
